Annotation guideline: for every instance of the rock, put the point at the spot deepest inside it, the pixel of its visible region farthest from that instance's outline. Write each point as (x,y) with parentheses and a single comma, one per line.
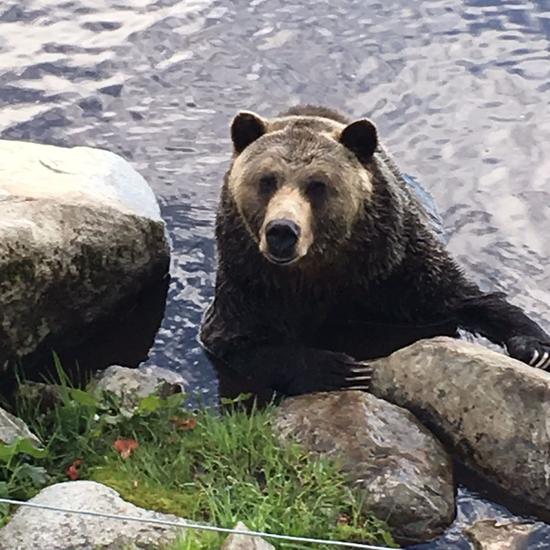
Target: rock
(32,528)
(490,535)
(132,385)
(13,428)
(244,542)
(80,233)
(493,410)
(403,472)
(40,395)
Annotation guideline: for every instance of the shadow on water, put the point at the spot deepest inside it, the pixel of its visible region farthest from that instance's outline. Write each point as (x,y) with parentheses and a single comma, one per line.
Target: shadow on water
(491,492)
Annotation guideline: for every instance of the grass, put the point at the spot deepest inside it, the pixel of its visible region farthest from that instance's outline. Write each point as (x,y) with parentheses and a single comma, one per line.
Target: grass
(204,466)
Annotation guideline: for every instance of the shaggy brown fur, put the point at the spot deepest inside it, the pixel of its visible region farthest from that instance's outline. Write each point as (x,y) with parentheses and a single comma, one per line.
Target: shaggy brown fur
(374,279)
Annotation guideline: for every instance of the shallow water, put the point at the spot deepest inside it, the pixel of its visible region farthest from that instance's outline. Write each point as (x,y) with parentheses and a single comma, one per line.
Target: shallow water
(459,91)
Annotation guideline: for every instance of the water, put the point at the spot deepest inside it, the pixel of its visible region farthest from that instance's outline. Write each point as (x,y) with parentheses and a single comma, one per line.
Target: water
(459,91)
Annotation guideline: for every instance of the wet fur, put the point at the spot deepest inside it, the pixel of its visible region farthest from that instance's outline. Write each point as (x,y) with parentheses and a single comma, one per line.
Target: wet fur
(388,285)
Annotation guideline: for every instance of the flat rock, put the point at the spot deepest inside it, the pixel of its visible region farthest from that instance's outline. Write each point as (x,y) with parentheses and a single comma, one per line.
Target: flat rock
(33,528)
(80,231)
(491,535)
(492,410)
(13,428)
(132,385)
(402,470)
(245,542)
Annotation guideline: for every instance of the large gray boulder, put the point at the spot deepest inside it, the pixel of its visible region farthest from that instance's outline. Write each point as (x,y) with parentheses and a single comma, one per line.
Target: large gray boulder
(34,528)
(493,410)
(402,471)
(80,232)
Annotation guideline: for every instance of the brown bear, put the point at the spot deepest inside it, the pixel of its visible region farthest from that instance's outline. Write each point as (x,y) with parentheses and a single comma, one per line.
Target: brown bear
(326,258)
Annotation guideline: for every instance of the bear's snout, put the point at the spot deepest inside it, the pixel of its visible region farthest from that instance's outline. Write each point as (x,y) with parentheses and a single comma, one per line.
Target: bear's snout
(282,236)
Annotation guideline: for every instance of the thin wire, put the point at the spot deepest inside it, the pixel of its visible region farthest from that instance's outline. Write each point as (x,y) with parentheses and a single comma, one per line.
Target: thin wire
(189,525)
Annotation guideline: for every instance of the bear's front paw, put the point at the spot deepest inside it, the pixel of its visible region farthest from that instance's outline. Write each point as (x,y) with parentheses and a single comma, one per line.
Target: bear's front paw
(530,350)
(330,371)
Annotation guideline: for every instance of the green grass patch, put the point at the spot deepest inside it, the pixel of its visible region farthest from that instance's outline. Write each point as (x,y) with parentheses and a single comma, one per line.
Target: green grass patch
(203,465)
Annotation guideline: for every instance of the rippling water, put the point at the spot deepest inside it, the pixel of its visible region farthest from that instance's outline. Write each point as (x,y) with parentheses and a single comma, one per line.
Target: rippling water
(459,91)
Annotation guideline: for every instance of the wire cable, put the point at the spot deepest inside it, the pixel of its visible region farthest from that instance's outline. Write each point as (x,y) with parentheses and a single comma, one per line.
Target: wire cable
(183,523)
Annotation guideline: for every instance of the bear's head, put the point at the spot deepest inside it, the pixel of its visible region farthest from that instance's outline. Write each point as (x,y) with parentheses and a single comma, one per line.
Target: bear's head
(300,182)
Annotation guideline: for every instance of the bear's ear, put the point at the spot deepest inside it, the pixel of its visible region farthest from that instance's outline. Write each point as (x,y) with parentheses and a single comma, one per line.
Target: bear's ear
(361,138)
(246,128)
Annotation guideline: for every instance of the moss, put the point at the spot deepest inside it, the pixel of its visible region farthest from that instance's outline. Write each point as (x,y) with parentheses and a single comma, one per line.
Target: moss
(142,492)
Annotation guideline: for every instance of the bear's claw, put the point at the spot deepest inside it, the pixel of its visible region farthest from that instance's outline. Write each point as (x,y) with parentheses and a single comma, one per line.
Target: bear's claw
(353,376)
(540,360)
(359,377)
(530,350)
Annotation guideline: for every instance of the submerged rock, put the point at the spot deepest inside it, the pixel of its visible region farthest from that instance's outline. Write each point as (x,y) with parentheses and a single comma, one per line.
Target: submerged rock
(33,528)
(245,542)
(132,385)
(403,472)
(80,233)
(13,428)
(493,410)
(490,535)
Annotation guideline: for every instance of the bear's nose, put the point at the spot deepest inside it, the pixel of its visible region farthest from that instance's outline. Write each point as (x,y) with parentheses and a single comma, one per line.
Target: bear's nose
(282,237)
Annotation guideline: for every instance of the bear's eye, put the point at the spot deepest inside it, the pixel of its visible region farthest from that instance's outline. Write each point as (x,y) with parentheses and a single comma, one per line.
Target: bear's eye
(316,189)
(268,184)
